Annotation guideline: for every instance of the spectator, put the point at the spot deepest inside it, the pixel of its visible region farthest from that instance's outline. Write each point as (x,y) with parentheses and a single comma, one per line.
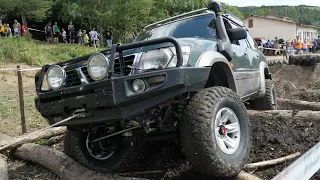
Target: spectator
(94,37)
(305,47)
(48,31)
(310,47)
(56,32)
(72,32)
(85,38)
(314,46)
(80,37)
(23,30)
(109,38)
(1,29)
(64,35)
(6,28)
(17,28)
(9,31)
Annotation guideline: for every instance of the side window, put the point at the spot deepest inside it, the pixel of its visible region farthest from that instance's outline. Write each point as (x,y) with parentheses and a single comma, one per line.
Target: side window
(251,41)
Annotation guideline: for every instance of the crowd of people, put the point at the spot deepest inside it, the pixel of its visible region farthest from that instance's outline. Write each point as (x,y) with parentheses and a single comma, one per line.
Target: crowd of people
(53,34)
(296,46)
(17,29)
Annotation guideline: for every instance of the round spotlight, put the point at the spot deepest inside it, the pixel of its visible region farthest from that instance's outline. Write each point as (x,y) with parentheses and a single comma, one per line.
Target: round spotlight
(98,66)
(56,77)
(139,85)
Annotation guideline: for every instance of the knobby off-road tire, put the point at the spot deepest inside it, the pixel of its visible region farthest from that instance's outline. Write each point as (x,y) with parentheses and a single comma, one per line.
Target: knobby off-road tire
(198,132)
(304,60)
(269,100)
(75,147)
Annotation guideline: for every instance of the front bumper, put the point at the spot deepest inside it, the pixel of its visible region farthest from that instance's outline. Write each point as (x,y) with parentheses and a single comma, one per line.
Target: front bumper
(114,98)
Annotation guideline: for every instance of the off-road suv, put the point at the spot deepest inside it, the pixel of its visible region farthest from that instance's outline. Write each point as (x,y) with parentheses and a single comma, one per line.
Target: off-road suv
(188,75)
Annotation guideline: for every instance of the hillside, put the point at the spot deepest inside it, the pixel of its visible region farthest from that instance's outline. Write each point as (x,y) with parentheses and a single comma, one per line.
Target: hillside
(308,15)
(37,53)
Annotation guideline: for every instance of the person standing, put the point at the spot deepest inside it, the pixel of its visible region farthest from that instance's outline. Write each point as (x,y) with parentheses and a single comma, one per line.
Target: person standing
(9,31)
(109,38)
(80,41)
(64,35)
(23,30)
(314,46)
(94,37)
(16,29)
(72,32)
(48,31)
(305,47)
(56,32)
(85,38)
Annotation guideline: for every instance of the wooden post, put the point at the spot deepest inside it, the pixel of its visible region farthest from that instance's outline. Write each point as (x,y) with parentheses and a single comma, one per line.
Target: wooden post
(21,99)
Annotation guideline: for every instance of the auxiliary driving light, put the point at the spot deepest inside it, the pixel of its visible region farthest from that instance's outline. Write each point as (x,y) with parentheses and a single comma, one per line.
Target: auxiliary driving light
(56,77)
(139,85)
(98,66)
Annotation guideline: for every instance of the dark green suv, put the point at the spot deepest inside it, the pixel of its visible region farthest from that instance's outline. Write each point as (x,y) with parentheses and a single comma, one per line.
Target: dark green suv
(187,76)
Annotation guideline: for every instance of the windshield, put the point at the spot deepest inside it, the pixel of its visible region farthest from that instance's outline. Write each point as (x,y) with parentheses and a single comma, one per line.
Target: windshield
(201,27)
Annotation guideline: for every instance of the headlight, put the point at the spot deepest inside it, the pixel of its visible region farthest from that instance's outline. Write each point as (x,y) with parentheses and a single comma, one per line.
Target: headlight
(165,58)
(55,77)
(98,66)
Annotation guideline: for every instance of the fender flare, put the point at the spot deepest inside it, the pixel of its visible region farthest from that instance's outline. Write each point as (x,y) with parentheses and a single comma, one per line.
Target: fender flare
(263,65)
(209,58)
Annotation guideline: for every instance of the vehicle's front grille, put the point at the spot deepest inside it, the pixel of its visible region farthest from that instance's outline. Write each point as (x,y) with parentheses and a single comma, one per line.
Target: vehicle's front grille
(128,60)
(72,78)
(85,72)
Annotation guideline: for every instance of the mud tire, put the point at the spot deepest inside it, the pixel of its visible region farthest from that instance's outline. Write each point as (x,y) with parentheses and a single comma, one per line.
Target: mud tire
(198,137)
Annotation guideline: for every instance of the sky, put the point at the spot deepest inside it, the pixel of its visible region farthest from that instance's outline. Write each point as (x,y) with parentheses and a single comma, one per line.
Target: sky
(271,2)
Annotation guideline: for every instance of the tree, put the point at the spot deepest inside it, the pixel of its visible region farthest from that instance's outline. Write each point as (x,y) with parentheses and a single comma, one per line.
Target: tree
(37,10)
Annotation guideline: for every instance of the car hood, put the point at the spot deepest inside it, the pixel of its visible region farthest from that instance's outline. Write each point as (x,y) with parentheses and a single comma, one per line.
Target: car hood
(197,46)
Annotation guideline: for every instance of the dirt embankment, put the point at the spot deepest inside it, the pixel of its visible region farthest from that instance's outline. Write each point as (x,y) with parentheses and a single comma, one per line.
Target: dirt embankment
(297,82)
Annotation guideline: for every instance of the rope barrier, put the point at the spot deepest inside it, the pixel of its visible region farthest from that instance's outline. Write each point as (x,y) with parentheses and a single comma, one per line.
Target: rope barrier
(16,69)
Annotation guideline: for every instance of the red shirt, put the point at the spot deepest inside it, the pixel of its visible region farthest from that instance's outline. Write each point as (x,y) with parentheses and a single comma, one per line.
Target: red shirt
(23,29)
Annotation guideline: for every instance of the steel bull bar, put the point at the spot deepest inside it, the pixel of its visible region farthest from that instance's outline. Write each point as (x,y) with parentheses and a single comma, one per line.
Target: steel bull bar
(115,50)
(120,48)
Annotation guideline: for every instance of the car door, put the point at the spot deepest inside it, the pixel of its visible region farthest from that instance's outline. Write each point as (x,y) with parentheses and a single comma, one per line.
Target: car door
(255,57)
(242,65)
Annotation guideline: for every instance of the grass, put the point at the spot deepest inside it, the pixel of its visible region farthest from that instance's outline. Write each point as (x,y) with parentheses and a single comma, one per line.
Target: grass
(27,53)
(31,52)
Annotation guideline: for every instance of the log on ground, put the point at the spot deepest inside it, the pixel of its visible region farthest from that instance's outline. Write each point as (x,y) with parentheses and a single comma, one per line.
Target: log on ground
(297,104)
(31,137)
(272,162)
(3,167)
(246,176)
(59,163)
(287,115)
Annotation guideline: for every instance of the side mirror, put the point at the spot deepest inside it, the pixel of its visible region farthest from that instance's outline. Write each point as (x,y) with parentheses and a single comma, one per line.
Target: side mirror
(237,34)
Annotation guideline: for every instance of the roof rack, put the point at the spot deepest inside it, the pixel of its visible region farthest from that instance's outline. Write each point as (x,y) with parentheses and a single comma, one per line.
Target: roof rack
(234,17)
(175,17)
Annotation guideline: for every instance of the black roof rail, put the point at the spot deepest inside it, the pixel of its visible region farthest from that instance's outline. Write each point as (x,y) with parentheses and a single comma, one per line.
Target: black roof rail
(233,17)
(176,17)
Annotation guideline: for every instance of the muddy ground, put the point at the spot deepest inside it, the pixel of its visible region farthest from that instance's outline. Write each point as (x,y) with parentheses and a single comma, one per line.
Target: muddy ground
(271,138)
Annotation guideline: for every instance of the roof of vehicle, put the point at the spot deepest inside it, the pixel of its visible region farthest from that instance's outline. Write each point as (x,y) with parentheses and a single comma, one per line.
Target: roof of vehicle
(192,14)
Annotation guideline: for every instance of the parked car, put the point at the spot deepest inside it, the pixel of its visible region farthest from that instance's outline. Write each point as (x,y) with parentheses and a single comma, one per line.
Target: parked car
(188,76)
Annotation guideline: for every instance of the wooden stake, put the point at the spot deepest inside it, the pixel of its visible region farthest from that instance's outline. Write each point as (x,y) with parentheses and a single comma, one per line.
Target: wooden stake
(21,99)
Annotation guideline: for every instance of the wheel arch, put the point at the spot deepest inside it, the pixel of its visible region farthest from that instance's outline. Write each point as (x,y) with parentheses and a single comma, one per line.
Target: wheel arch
(220,69)
(264,74)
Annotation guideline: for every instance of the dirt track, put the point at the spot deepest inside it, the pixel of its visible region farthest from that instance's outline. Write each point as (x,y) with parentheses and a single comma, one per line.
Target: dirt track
(272,138)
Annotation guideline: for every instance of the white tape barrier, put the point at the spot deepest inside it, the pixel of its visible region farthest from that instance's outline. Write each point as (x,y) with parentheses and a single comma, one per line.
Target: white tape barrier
(304,167)
(15,69)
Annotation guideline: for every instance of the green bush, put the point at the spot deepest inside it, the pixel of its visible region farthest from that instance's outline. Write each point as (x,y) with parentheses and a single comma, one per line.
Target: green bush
(23,50)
